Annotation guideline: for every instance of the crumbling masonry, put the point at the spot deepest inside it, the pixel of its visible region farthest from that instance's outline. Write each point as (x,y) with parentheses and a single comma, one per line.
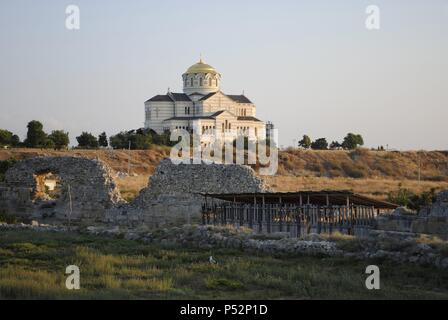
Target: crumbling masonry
(55,189)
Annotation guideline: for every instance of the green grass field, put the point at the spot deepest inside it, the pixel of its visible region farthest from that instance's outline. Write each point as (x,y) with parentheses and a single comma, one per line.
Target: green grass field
(32,266)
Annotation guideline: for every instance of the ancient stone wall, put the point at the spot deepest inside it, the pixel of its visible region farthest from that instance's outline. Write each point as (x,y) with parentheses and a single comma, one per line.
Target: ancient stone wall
(171,198)
(86,189)
(440,207)
(430,220)
(173,192)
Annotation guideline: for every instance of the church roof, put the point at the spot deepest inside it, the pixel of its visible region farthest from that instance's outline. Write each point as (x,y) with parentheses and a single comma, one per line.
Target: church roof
(239,98)
(211,116)
(248,119)
(180,97)
(201,67)
(190,118)
(211,94)
(171,97)
(161,97)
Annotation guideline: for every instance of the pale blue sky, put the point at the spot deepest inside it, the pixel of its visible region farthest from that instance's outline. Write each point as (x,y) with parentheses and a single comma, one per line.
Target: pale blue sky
(310,66)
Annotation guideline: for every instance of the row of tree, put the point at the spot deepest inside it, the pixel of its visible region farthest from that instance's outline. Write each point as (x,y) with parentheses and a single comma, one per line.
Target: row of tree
(36,137)
(351,141)
(136,139)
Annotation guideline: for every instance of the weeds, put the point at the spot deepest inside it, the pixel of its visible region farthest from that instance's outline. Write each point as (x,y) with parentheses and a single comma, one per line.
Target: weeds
(32,266)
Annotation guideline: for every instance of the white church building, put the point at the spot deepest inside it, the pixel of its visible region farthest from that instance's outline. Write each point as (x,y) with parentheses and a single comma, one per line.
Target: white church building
(203,108)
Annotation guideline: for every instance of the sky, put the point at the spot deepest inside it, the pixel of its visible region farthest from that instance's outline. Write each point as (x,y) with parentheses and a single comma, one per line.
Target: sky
(311,67)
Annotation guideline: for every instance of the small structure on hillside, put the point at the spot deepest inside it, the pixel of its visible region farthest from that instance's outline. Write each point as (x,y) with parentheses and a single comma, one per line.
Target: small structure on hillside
(297,213)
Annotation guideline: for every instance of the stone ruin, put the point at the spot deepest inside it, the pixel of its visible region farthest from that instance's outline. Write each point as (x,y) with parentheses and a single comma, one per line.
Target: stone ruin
(59,188)
(439,208)
(55,189)
(429,220)
(173,192)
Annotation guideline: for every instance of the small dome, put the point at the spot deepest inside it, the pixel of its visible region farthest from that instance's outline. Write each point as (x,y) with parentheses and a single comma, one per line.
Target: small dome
(201,67)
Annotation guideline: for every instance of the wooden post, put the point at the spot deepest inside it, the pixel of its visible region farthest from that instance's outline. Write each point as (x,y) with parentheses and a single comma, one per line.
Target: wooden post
(267,216)
(319,226)
(70,207)
(280,214)
(331,219)
(261,215)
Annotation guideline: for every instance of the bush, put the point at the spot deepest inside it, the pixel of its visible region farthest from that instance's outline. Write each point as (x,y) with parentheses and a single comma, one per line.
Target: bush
(9,219)
(60,139)
(358,153)
(352,141)
(4,166)
(406,198)
(7,138)
(88,141)
(140,139)
(352,171)
(134,140)
(320,144)
(35,137)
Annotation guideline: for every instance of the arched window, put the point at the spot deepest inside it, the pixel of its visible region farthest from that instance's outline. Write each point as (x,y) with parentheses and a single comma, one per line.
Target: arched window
(191,82)
(200,82)
(188,110)
(210,82)
(216,82)
(244,112)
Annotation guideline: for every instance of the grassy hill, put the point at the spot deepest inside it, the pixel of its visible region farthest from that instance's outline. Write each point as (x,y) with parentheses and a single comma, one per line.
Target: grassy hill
(364,164)
(373,173)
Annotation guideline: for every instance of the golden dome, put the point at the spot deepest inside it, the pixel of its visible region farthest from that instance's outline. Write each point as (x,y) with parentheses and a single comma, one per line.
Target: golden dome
(201,67)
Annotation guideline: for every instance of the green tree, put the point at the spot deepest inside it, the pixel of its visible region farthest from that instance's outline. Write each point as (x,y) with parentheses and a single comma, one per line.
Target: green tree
(102,140)
(15,141)
(87,141)
(138,139)
(60,139)
(320,144)
(335,145)
(35,137)
(407,198)
(119,141)
(305,142)
(5,137)
(352,141)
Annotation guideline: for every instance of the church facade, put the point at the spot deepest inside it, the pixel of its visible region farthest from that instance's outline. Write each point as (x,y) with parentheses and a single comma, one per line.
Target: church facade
(203,108)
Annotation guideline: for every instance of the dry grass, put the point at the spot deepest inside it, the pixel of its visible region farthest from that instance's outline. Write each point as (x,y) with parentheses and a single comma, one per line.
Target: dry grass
(378,188)
(371,173)
(363,163)
(32,266)
(142,162)
(360,163)
(130,186)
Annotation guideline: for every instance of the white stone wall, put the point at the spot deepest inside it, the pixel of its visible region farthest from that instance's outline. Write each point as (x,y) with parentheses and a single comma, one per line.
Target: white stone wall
(156,112)
(202,83)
